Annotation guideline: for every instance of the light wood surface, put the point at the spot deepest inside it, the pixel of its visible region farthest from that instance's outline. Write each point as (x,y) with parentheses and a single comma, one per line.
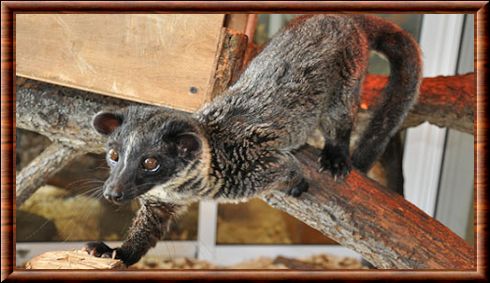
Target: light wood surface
(162,59)
(77,259)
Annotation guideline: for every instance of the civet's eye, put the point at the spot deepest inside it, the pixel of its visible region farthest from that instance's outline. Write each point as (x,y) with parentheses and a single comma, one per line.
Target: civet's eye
(151,164)
(113,155)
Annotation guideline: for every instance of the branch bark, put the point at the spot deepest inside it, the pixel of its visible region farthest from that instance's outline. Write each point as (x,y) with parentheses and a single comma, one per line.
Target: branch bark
(228,61)
(443,101)
(62,114)
(359,213)
(34,175)
(381,225)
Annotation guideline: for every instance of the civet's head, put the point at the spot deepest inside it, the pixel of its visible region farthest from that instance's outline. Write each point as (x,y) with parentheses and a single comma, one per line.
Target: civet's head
(147,148)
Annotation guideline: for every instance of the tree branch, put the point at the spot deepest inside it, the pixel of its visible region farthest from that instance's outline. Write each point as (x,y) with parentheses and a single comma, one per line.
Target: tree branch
(443,101)
(62,114)
(360,214)
(34,175)
(381,225)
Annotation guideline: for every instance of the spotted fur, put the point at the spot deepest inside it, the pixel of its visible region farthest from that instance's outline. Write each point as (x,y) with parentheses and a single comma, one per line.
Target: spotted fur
(307,77)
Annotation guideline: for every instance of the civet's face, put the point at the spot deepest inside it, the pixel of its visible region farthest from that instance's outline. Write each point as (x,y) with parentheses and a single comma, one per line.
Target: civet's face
(146,148)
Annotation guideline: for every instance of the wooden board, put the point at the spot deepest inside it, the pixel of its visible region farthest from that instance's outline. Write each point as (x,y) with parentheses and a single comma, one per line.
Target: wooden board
(162,59)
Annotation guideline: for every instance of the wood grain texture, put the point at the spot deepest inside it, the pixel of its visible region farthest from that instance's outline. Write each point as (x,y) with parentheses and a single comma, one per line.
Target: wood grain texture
(77,259)
(233,275)
(481,140)
(159,59)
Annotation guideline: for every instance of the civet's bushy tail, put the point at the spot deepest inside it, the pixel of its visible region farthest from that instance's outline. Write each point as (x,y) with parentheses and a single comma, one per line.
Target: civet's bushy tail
(399,94)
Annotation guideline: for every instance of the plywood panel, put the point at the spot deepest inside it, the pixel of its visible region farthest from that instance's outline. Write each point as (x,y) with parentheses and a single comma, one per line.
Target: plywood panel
(153,58)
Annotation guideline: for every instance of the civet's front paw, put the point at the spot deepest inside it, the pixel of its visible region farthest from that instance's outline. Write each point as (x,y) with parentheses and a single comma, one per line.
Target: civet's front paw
(100,249)
(336,160)
(301,187)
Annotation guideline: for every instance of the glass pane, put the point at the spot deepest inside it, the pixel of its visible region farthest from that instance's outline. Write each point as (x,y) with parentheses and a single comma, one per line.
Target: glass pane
(70,207)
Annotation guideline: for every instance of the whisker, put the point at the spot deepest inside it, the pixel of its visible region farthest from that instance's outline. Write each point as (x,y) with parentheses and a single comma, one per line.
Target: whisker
(83,182)
(88,193)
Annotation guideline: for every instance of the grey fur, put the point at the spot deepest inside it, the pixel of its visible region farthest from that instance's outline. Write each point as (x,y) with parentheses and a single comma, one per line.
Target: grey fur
(307,77)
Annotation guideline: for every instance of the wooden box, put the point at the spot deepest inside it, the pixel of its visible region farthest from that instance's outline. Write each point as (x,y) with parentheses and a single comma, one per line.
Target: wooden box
(163,59)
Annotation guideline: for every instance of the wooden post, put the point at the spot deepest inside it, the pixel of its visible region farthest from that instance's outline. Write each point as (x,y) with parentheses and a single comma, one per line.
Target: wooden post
(228,61)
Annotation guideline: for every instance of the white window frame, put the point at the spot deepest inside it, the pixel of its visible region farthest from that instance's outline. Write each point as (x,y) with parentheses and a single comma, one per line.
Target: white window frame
(424,145)
(455,195)
(421,173)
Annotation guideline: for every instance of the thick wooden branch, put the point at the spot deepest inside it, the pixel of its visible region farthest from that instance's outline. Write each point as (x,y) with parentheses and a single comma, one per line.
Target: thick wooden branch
(359,214)
(62,114)
(443,101)
(381,225)
(34,175)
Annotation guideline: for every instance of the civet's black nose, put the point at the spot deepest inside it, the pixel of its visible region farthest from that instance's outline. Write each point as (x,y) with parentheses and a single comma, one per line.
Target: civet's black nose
(114,196)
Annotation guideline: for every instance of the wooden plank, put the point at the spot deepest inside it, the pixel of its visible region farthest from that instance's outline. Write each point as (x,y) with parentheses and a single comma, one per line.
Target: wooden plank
(165,60)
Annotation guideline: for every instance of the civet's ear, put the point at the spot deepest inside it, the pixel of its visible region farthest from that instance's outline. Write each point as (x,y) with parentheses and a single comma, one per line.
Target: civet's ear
(188,145)
(106,122)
